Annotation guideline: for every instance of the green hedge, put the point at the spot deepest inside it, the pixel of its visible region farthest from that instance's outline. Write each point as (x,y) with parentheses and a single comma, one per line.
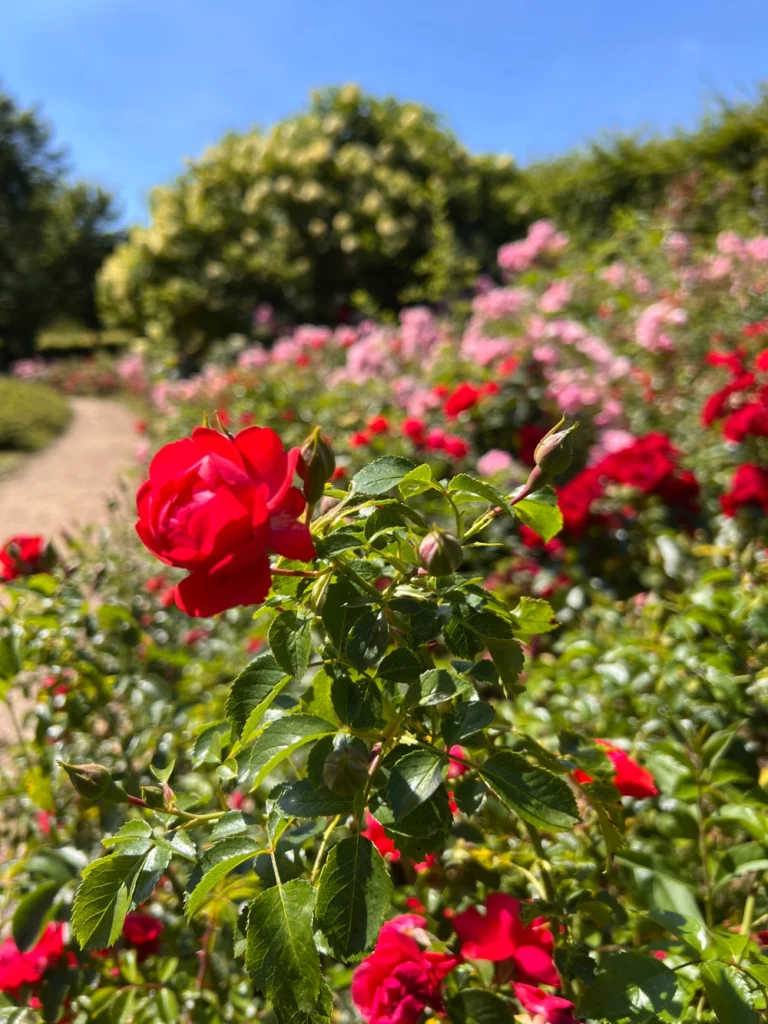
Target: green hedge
(31,415)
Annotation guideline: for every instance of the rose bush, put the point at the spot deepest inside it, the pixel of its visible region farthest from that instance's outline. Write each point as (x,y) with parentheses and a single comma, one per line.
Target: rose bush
(463,754)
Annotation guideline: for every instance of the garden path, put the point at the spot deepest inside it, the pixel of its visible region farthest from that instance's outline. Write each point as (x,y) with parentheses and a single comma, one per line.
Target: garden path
(68,484)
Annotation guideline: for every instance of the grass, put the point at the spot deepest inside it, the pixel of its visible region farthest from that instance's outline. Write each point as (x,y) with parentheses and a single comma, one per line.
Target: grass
(31,416)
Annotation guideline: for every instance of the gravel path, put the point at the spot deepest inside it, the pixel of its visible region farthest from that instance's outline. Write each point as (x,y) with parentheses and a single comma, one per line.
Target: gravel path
(68,484)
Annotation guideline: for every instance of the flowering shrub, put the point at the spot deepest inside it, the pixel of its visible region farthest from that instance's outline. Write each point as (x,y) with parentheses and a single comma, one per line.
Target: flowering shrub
(470,720)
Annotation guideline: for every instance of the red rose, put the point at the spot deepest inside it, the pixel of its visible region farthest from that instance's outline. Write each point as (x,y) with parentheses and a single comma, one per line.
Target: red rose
(22,555)
(749,486)
(17,969)
(155,583)
(733,361)
(414,429)
(143,931)
(360,439)
(464,397)
(756,329)
(436,439)
(749,421)
(400,979)
(552,1009)
(761,362)
(575,500)
(374,831)
(457,767)
(378,425)
(716,404)
(499,934)
(218,506)
(631,779)
(456,447)
(643,465)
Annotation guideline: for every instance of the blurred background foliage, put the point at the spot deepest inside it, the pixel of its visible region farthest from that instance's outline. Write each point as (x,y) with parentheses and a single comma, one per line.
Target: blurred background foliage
(356,206)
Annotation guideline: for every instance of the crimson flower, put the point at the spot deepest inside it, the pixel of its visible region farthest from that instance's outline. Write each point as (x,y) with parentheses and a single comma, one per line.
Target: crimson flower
(22,555)
(457,767)
(631,779)
(456,447)
(553,1009)
(374,831)
(749,486)
(414,429)
(378,425)
(17,968)
(464,397)
(499,934)
(400,979)
(142,932)
(218,506)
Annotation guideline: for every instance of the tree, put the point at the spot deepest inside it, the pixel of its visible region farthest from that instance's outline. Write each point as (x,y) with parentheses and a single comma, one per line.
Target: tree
(335,204)
(53,235)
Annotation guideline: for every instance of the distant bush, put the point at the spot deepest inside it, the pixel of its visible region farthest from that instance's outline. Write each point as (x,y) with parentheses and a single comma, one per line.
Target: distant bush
(707,180)
(341,206)
(31,415)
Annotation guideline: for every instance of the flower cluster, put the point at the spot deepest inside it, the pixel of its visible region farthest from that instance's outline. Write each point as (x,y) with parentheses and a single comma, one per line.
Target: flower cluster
(649,465)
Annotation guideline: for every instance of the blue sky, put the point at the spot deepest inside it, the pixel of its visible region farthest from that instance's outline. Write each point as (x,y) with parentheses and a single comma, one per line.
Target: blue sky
(135,86)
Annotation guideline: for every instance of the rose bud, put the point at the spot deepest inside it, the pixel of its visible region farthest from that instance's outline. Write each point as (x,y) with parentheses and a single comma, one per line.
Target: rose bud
(154,797)
(95,782)
(316,466)
(553,453)
(441,553)
(346,768)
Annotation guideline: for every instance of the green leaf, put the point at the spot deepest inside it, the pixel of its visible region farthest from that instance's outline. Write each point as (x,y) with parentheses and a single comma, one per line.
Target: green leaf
(343,606)
(417,480)
(252,692)
(230,824)
(541,514)
(216,864)
(490,626)
(382,475)
(632,986)
(32,914)
(132,839)
(168,1009)
(277,741)
(465,484)
(413,779)
(9,659)
(668,890)
(301,800)
(103,899)
(509,658)
(436,686)
(359,703)
(208,745)
(539,797)
(290,637)
(466,720)
(353,896)
(534,615)
(280,950)
(477,1006)
(368,640)
(727,993)
(178,843)
(461,640)
(14,1015)
(430,818)
(400,666)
